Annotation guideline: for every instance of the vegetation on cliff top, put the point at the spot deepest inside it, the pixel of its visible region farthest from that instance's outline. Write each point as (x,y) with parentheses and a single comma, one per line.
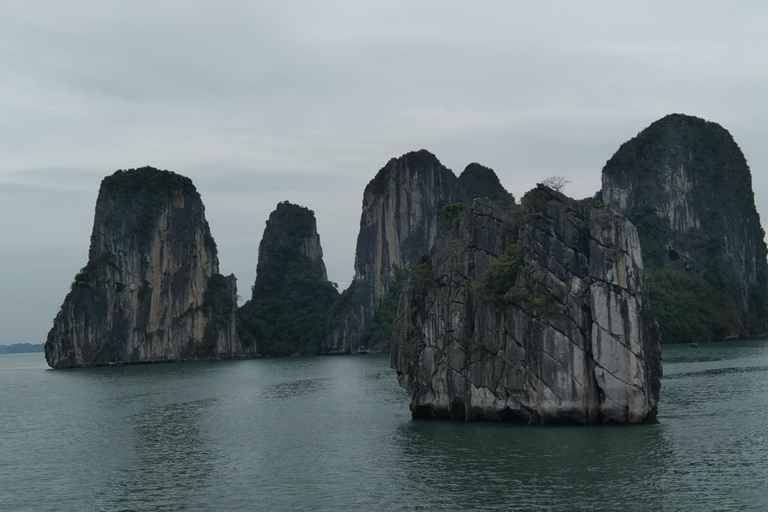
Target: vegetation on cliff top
(147,179)
(142,194)
(480,181)
(291,300)
(415,161)
(705,147)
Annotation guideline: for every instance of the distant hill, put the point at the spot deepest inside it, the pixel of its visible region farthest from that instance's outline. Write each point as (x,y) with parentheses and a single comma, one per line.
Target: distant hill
(21,348)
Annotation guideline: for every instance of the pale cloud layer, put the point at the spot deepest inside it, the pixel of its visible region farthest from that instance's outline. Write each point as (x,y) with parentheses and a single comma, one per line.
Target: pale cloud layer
(260,102)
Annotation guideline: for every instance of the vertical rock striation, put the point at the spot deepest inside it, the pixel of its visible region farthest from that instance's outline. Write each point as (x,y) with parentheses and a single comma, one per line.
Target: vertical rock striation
(151,290)
(687,187)
(291,300)
(542,319)
(400,221)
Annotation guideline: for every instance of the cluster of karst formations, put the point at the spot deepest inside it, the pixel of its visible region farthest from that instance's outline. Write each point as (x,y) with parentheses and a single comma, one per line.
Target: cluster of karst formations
(546,310)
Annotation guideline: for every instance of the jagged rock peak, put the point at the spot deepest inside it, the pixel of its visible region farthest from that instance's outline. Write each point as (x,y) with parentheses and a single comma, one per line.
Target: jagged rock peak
(400,220)
(151,290)
(541,318)
(413,162)
(673,156)
(290,228)
(480,181)
(292,296)
(686,185)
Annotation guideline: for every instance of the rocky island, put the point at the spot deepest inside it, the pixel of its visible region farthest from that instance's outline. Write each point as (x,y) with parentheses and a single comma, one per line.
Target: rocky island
(539,317)
(151,290)
(292,297)
(686,185)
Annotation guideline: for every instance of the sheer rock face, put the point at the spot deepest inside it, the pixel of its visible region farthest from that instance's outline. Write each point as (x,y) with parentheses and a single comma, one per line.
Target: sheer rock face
(290,228)
(151,290)
(571,341)
(400,221)
(693,175)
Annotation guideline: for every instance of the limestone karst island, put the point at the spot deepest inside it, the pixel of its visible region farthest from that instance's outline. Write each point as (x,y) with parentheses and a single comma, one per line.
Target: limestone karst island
(543,310)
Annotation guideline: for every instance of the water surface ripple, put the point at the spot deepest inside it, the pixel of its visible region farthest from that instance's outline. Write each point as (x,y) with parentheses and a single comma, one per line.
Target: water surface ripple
(334,434)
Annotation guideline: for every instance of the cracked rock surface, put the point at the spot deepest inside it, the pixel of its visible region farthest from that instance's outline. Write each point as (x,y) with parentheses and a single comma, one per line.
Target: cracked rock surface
(151,290)
(572,340)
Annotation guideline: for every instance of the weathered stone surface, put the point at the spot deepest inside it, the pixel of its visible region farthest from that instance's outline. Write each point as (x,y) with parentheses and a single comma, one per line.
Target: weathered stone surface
(399,223)
(691,175)
(151,290)
(571,340)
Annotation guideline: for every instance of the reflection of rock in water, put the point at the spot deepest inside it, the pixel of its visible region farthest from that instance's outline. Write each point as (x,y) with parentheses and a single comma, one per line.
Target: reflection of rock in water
(542,468)
(172,461)
(293,388)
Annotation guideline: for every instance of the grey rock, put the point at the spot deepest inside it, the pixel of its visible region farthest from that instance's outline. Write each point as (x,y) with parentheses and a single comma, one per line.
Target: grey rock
(691,174)
(571,340)
(151,290)
(400,221)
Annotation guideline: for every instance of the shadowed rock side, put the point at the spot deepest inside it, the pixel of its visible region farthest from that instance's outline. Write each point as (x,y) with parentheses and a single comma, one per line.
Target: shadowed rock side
(151,290)
(289,308)
(400,221)
(687,187)
(544,319)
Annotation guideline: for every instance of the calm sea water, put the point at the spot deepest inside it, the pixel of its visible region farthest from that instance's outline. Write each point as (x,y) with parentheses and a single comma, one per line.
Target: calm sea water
(334,433)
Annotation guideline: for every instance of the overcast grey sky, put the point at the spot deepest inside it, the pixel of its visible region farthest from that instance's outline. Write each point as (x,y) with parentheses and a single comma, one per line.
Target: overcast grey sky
(260,102)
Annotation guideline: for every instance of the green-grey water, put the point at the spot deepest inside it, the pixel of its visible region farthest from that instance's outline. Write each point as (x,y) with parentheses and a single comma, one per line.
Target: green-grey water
(334,433)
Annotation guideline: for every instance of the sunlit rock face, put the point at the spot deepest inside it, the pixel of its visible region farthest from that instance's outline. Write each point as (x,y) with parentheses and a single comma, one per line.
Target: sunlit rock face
(151,290)
(686,185)
(560,332)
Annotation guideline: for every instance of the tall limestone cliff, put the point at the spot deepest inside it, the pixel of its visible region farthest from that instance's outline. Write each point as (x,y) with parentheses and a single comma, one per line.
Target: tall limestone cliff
(291,299)
(686,185)
(542,318)
(400,221)
(151,290)
(402,217)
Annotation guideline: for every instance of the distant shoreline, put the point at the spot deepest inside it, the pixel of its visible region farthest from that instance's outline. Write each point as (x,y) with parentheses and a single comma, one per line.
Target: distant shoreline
(21,348)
